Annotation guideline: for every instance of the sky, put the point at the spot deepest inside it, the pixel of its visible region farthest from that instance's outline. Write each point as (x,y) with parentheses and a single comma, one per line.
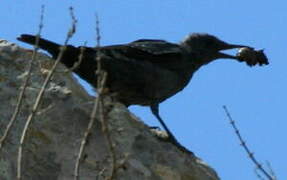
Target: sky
(256,97)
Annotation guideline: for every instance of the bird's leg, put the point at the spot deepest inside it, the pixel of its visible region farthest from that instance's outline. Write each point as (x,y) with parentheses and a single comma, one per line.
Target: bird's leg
(155,111)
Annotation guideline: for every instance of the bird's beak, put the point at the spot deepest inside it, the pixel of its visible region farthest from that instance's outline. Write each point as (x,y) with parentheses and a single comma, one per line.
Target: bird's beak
(227,47)
(247,54)
(232,46)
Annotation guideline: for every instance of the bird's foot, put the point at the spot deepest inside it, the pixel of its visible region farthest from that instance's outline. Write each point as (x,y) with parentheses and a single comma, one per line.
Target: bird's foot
(179,146)
(163,136)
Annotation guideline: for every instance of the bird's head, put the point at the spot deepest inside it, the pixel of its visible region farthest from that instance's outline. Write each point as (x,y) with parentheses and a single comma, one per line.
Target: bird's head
(207,47)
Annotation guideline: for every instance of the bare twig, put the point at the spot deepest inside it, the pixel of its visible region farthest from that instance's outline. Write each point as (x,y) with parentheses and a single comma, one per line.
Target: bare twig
(258,175)
(88,130)
(246,148)
(78,63)
(87,133)
(103,119)
(82,49)
(111,146)
(71,32)
(98,34)
(25,84)
(271,170)
(98,108)
(92,119)
(98,58)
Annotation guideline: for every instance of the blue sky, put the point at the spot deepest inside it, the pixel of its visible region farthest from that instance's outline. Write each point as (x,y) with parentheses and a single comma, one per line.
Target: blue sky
(256,96)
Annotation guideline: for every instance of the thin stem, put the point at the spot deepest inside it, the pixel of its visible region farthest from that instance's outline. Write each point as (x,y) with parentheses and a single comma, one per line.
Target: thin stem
(72,30)
(245,147)
(25,84)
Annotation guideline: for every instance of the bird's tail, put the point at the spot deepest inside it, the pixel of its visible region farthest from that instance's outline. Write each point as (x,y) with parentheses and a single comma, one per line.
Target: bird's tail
(51,47)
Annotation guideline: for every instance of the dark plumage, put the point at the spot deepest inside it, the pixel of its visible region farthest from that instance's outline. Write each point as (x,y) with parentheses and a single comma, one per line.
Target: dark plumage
(145,72)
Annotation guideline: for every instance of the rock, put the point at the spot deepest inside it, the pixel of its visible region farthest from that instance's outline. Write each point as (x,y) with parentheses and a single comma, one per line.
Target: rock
(55,134)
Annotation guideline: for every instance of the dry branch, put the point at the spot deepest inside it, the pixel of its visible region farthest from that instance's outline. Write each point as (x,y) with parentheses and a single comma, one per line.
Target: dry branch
(246,148)
(40,95)
(25,84)
(98,108)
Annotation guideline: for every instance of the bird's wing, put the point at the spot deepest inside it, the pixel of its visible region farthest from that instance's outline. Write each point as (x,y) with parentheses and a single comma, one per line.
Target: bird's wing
(142,49)
(155,47)
(157,52)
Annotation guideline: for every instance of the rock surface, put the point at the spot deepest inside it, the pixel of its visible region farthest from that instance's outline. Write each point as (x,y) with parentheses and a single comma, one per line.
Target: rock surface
(55,134)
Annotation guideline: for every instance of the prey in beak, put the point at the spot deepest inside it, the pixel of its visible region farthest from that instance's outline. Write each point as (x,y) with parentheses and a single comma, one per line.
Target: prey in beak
(245,54)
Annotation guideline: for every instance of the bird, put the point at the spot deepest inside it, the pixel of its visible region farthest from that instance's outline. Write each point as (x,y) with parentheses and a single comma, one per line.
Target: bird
(147,71)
